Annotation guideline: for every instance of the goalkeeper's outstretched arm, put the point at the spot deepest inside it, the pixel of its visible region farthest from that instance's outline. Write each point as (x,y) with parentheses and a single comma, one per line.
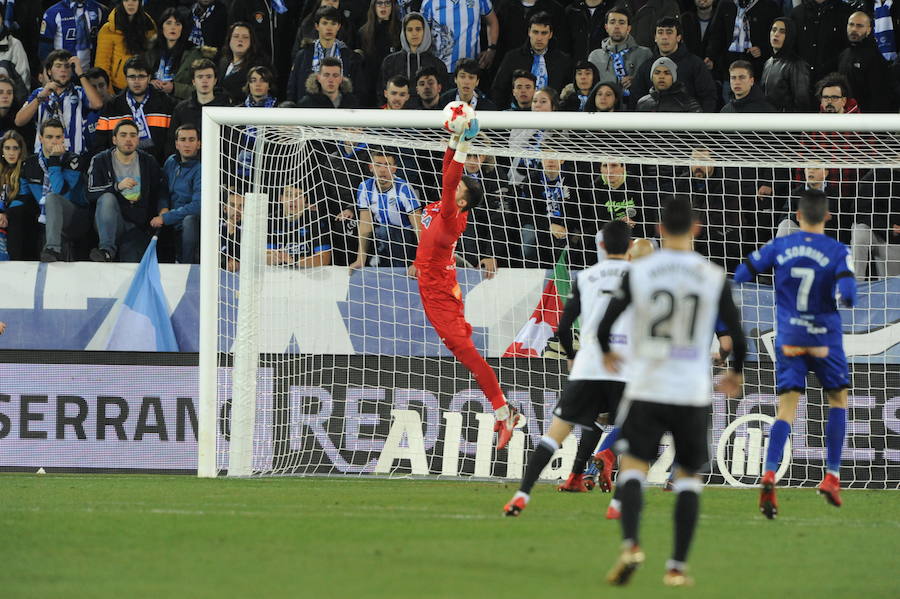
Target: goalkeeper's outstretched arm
(452,170)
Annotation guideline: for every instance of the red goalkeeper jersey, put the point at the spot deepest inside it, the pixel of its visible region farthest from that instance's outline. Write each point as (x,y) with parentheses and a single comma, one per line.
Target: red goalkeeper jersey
(442,222)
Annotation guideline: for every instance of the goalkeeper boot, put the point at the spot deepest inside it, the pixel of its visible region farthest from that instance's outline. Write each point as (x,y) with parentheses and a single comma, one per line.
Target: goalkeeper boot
(515,506)
(830,489)
(576,483)
(504,428)
(629,561)
(605,461)
(767,503)
(677,578)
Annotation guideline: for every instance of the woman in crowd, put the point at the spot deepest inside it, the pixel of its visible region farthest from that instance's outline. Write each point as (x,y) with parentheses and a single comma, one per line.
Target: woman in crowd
(18,217)
(605,97)
(171,55)
(241,54)
(786,76)
(378,37)
(128,31)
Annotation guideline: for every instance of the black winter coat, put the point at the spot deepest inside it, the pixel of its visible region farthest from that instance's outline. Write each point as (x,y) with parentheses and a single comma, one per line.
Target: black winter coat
(674,99)
(755,101)
(786,77)
(869,75)
(692,73)
(822,34)
(720,34)
(559,71)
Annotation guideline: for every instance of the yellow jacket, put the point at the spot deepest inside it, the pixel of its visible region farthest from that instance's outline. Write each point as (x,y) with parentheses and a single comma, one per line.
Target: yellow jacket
(111,51)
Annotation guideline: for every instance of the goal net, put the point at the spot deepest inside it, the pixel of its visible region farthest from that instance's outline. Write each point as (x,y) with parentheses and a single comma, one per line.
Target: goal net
(317,357)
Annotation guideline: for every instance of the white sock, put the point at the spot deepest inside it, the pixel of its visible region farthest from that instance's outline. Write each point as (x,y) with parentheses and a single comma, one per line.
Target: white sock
(525,496)
(615,504)
(502,413)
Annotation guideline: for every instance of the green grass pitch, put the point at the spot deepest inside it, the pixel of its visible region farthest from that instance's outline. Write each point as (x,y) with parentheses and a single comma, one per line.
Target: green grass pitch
(162,536)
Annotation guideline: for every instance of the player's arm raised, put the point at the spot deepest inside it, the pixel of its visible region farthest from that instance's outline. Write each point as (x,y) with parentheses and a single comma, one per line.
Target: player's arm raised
(611,360)
(454,161)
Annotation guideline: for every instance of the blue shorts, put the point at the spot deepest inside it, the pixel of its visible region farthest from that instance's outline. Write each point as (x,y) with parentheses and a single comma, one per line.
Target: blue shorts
(833,372)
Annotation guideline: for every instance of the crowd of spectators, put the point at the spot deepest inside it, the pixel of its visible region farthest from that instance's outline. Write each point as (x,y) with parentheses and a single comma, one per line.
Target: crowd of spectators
(100,110)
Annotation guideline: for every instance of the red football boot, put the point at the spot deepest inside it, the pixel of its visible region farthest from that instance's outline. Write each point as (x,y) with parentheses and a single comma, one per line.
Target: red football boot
(514,507)
(830,489)
(605,461)
(574,484)
(767,503)
(504,428)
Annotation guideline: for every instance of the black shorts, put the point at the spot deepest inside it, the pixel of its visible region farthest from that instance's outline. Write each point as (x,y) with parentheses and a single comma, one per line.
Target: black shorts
(645,422)
(581,402)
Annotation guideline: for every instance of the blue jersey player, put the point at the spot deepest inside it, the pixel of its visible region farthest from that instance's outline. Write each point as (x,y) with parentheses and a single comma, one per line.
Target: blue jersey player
(809,267)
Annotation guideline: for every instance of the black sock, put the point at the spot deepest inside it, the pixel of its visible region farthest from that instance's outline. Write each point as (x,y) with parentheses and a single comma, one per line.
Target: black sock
(687,511)
(589,439)
(632,496)
(539,459)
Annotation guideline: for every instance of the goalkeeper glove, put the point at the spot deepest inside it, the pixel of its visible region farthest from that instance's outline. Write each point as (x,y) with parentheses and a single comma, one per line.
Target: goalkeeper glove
(471,130)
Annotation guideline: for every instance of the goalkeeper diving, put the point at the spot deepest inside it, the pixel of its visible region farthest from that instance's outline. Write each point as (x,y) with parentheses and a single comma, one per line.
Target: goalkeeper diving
(442,225)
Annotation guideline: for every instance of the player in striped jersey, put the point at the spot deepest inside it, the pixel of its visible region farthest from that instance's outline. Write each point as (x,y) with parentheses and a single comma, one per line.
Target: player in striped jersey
(592,390)
(676,296)
(809,268)
(456,30)
(389,207)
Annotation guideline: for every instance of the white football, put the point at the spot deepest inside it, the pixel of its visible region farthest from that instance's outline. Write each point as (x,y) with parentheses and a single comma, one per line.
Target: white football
(457,116)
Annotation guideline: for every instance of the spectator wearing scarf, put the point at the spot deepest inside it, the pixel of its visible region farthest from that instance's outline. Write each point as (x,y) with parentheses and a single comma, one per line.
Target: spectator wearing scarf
(575,96)
(740,31)
(619,56)
(328,24)
(209,20)
(150,110)
(551,67)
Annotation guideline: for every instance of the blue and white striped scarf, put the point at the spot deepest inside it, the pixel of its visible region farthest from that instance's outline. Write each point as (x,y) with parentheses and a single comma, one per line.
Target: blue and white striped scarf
(319,53)
(196,36)
(740,41)
(9,21)
(618,60)
(137,112)
(539,70)
(884,30)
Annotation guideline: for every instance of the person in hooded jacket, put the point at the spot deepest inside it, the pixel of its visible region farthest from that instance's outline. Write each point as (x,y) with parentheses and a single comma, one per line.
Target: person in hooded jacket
(415,54)
(667,93)
(866,69)
(574,97)
(606,96)
(785,79)
(747,96)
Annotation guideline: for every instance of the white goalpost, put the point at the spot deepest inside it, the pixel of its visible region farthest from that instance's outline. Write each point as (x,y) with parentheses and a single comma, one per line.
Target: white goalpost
(309,368)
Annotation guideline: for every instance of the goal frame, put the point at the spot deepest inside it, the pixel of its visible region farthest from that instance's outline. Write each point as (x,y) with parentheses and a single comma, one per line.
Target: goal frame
(214,118)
